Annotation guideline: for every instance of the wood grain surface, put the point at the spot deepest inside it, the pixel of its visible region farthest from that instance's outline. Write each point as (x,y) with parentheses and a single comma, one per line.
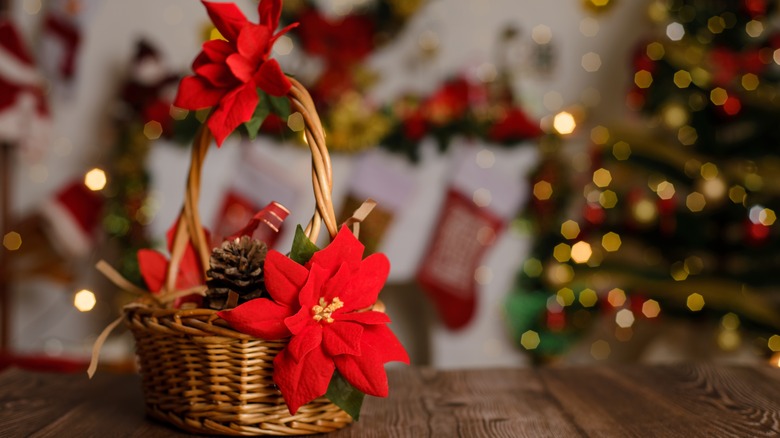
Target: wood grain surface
(641,401)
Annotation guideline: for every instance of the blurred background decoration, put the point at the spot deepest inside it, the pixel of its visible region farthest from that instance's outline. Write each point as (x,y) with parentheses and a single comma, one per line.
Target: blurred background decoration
(571,183)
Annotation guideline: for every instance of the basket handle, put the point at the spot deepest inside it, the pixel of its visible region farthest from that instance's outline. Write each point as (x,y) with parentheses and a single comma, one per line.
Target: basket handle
(189,227)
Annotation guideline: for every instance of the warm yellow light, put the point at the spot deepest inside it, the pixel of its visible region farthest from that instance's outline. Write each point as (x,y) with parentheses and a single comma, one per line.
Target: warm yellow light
(564,123)
(774,343)
(695,202)
(532,267)
(541,34)
(718,96)
(599,135)
(621,150)
(709,170)
(588,298)
(682,79)
(655,51)
(602,177)
(84,300)
(687,135)
(295,122)
(645,211)
(651,308)
(482,197)
(581,252)
(12,241)
(675,116)
(730,321)
(543,190)
(716,24)
(562,252)
(153,130)
(679,271)
(608,199)
(600,350)
(616,297)
(560,273)
(591,62)
(750,81)
(95,179)
(530,340)
(767,217)
(754,28)
(624,318)
(695,302)
(643,79)
(665,190)
(737,194)
(570,229)
(611,242)
(565,297)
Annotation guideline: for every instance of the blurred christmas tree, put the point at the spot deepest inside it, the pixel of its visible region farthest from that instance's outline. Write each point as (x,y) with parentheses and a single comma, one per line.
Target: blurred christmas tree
(676,215)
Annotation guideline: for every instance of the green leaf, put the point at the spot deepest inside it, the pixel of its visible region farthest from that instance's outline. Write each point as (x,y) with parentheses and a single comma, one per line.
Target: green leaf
(280,105)
(302,248)
(345,396)
(262,110)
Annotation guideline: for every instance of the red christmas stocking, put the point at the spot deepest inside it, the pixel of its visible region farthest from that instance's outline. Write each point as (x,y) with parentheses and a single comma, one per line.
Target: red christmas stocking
(476,209)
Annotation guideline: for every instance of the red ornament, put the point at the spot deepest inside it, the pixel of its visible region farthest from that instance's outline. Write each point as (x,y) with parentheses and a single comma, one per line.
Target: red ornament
(321,308)
(228,73)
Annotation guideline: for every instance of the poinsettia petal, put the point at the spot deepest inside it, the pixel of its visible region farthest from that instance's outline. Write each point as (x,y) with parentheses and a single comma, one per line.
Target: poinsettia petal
(366,283)
(270,11)
(303,381)
(218,75)
(227,18)
(261,318)
(338,283)
(286,29)
(344,248)
(388,347)
(153,267)
(240,67)
(342,338)
(284,278)
(195,93)
(217,50)
(253,42)
(365,372)
(308,297)
(301,344)
(272,79)
(369,317)
(235,108)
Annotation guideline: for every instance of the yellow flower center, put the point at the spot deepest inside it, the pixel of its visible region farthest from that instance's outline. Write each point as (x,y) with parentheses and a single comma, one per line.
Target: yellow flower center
(324,311)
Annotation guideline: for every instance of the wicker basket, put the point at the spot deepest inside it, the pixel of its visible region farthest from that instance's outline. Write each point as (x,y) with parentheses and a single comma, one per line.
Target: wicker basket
(197,372)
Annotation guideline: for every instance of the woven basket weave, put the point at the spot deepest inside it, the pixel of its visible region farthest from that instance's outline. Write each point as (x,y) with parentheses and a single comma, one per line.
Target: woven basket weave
(197,372)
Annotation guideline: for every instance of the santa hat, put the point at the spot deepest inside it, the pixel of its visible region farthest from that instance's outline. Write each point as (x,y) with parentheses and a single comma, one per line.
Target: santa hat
(24,115)
(72,217)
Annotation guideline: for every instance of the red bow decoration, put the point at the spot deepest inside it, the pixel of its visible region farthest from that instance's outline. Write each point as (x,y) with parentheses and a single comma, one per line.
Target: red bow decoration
(322,308)
(228,73)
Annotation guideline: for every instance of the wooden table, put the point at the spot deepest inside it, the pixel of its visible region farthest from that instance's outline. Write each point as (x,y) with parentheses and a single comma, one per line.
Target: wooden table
(658,401)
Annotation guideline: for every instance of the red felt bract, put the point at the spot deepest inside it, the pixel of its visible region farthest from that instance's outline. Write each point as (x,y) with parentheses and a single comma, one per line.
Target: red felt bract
(228,73)
(322,307)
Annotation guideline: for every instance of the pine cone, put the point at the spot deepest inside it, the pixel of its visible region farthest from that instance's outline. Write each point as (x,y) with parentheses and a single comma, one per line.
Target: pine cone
(236,266)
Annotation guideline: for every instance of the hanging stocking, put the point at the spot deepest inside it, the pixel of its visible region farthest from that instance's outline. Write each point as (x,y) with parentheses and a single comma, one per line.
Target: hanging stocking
(24,115)
(387,180)
(476,209)
(72,217)
(62,37)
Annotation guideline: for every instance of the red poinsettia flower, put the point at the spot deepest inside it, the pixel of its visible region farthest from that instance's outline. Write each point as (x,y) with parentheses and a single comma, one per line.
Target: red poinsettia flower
(322,307)
(154,268)
(228,73)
